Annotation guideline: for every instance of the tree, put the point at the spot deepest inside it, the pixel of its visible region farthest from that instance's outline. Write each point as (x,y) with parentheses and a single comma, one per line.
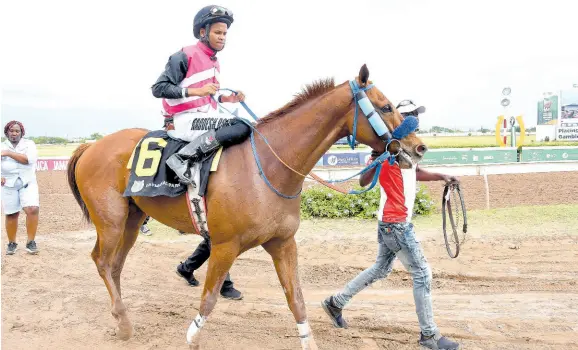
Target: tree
(48,140)
(95,136)
(440,129)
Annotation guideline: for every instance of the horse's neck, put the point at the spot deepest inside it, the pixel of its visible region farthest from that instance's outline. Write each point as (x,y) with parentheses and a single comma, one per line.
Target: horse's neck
(303,136)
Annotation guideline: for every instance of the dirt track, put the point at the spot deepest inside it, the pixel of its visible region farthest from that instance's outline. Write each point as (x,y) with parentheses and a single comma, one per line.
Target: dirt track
(491,297)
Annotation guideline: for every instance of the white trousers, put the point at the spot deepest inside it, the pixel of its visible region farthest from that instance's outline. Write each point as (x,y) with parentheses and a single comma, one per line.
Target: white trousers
(190,125)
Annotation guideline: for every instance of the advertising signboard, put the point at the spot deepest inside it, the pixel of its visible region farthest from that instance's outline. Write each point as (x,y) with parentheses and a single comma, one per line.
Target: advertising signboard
(470,156)
(548,110)
(341,159)
(47,164)
(569,108)
(549,154)
(568,133)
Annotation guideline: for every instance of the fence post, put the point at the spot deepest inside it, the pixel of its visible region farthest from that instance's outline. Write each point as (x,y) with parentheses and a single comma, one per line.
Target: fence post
(487,185)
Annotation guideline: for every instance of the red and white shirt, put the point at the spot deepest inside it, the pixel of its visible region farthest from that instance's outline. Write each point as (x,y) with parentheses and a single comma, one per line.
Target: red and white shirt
(203,68)
(397,187)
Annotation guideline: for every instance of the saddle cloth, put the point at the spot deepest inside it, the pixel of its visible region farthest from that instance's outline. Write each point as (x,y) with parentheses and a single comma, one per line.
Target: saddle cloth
(151,177)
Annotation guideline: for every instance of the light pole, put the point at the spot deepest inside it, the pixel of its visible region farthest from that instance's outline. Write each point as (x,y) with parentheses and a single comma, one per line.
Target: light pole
(506,103)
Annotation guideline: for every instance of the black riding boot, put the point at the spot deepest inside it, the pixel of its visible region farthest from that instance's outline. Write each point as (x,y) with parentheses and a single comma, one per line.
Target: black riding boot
(182,161)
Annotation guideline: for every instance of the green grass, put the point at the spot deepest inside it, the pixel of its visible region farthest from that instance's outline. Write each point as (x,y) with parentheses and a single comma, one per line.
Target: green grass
(553,143)
(485,141)
(467,141)
(514,222)
(527,217)
(56,150)
(460,141)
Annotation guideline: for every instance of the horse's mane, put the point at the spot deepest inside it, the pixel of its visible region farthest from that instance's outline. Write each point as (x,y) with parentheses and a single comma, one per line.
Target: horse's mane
(310,91)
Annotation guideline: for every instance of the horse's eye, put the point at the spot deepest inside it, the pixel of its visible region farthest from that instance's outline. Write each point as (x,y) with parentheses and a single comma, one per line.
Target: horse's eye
(386,109)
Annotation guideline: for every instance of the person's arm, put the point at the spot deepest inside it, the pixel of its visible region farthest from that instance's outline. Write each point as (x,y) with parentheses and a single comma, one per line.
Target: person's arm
(424,175)
(365,179)
(29,157)
(20,158)
(167,85)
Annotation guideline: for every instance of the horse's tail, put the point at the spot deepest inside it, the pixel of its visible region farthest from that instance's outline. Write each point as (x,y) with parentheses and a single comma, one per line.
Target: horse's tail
(71,172)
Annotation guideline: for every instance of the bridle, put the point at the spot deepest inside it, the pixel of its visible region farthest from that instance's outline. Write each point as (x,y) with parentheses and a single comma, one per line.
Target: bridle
(373,116)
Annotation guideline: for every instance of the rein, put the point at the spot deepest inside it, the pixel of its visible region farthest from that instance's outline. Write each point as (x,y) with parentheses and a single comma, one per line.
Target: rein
(360,101)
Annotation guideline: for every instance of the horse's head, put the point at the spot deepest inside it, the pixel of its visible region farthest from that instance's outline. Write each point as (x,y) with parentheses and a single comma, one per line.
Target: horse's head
(400,139)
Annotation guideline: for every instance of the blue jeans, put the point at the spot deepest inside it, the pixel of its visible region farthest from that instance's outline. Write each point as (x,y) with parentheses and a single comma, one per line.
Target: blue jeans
(397,240)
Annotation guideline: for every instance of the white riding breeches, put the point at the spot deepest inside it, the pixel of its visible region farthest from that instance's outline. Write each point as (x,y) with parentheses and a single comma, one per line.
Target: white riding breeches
(190,125)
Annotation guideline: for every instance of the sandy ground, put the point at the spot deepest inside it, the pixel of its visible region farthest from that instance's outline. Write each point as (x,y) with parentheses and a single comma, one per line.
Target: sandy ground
(508,289)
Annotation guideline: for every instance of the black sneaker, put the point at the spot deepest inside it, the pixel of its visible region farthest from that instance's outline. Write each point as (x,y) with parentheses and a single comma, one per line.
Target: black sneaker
(231,293)
(334,313)
(438,342)
(188,276)
(12,247)
(31,247)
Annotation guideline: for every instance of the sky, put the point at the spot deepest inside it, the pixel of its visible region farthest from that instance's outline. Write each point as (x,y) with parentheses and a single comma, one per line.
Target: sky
(72,68)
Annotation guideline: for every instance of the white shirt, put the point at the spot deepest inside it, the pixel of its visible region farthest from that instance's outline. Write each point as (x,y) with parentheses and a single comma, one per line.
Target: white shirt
(12,170)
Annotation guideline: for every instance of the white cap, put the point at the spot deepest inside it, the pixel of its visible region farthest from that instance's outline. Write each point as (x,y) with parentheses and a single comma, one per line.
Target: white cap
(407,106)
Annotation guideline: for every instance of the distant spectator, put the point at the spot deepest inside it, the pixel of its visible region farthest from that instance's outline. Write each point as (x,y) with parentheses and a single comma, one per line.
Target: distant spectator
(19,186)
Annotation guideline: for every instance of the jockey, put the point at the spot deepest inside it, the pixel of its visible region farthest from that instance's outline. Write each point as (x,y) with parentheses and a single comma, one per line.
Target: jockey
(187,86)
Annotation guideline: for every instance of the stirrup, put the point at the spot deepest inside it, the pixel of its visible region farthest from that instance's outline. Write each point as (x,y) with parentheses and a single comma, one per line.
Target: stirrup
(187,177)
(181,168)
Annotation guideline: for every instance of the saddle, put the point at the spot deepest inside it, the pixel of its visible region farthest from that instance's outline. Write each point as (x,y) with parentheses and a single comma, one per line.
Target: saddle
(151,177)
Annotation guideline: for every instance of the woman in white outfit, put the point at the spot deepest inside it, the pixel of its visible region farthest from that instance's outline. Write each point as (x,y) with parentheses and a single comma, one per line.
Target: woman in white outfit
(19,186)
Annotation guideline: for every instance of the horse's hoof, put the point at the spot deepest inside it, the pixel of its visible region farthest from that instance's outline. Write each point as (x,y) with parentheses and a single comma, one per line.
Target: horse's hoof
(195,343)
(309,345)
(124,332)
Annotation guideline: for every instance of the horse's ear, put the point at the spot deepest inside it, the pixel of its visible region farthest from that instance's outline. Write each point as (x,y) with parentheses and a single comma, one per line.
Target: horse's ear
(363,75)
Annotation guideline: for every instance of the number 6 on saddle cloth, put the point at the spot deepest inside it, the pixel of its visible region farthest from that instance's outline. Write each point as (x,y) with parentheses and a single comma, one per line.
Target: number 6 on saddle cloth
(150,176)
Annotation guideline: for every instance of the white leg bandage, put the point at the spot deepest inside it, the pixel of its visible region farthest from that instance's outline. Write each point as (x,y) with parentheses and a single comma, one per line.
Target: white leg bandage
(304,333)
(195,326)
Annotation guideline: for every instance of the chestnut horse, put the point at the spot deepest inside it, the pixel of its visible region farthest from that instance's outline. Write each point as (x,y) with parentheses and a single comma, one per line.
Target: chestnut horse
(242,211)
